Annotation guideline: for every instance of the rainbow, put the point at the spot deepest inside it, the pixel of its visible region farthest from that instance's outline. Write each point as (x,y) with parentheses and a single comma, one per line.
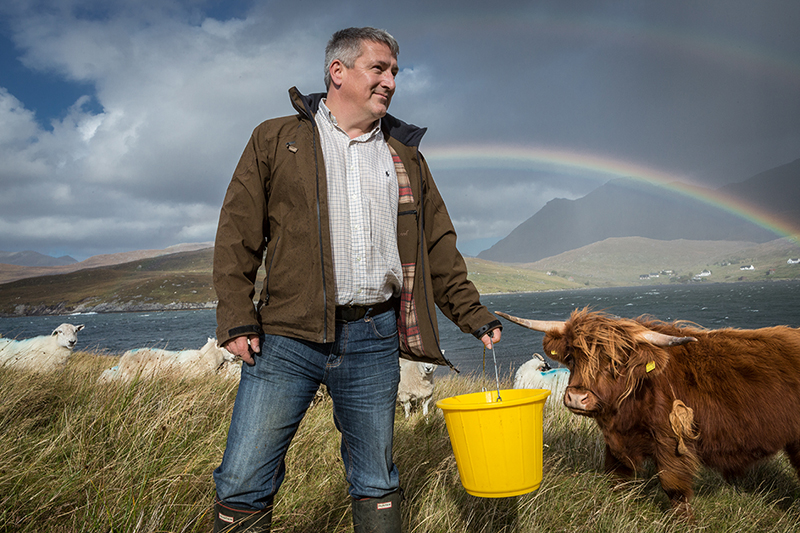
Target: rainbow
(600,168)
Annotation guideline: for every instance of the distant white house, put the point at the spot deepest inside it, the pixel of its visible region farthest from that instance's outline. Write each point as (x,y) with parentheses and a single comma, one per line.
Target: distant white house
(747,267)
(705,273)
(793,261)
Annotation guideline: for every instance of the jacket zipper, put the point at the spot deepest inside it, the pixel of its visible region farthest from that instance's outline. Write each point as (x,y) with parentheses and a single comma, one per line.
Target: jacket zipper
(319,233)
(263,301)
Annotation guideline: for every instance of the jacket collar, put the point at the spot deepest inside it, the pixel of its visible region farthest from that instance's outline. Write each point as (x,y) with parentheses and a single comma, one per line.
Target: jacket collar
(407,134)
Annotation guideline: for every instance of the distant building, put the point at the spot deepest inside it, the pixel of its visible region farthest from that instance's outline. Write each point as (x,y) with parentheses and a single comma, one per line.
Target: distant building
(747,267)
(705,273)
(793,261)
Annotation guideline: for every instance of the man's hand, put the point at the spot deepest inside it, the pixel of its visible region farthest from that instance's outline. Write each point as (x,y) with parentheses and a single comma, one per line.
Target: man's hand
(244,347)
(491,337)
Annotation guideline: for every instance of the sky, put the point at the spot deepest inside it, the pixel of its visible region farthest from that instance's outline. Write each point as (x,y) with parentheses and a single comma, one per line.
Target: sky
(121,121)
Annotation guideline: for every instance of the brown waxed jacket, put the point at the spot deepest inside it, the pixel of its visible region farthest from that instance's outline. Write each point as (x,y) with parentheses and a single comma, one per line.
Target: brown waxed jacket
(277,201)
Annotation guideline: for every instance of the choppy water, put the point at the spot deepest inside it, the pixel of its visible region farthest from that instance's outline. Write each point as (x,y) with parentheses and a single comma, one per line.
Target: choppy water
(741,305)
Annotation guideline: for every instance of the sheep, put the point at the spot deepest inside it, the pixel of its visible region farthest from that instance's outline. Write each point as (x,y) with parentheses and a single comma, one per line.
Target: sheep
(231,369)
(147,362)
(44,353)
(416,383)
(537,374)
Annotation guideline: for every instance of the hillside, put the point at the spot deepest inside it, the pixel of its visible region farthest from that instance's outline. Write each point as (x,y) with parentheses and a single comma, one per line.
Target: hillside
(28,266)
(183,280)
(625,261)
(174,281)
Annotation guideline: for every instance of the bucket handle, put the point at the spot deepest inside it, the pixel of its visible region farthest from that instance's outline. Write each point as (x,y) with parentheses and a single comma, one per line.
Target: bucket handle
(496,377)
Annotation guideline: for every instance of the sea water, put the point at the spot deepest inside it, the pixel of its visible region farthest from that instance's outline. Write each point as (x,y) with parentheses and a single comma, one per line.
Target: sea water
(737,305)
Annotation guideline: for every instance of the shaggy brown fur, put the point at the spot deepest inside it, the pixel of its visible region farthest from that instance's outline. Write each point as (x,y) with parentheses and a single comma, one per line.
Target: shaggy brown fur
(726,400)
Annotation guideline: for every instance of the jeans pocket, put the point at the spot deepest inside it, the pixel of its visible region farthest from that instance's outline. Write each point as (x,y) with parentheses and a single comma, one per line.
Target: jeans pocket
(384,325)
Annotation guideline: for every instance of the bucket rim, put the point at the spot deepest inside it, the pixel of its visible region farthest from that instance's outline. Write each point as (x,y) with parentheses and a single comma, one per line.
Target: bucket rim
(461,402)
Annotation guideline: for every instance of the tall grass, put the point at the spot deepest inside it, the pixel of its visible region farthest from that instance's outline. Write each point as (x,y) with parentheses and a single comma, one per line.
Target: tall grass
(77,456)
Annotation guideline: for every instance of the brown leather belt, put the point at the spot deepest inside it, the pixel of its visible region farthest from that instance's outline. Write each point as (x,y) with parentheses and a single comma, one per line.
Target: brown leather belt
(351,313)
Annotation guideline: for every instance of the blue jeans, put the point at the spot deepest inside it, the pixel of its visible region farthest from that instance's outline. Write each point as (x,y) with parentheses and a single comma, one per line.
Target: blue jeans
(361,372)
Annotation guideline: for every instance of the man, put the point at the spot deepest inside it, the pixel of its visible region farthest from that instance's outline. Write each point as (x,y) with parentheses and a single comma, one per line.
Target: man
(358,247)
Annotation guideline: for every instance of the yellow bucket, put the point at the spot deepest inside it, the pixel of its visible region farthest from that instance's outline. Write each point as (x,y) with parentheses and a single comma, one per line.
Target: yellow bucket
(498,445)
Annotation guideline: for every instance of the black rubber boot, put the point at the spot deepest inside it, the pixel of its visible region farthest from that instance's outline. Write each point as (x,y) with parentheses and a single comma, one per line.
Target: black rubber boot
(230,520)
(377,515)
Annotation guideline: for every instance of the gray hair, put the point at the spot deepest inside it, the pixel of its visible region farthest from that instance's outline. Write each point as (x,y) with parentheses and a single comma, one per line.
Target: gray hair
(345,45)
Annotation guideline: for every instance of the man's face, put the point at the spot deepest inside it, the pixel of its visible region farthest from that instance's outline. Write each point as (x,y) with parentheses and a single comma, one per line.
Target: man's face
(369,85)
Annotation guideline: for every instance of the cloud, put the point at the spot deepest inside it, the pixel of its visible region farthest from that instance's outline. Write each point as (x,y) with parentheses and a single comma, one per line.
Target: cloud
(167,93)
(178,102)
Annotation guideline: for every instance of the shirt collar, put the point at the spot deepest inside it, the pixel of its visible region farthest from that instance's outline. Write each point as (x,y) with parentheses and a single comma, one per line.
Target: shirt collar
(330,120)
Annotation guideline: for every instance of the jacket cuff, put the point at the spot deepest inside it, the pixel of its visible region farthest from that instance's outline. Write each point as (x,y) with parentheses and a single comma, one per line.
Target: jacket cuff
(494,324)
(244,330)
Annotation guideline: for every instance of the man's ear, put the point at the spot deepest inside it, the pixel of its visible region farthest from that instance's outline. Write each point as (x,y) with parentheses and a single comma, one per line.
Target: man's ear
(337,72)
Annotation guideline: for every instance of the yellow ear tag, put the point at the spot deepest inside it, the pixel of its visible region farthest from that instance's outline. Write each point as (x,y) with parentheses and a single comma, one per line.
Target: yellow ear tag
(553,352)
(650,366)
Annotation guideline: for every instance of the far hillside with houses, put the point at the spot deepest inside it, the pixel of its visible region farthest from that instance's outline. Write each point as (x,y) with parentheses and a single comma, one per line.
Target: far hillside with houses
(707,274)
(628,261)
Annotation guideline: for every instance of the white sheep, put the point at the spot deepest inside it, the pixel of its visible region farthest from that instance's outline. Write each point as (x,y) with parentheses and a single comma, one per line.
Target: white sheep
(416,383)
(44,353)
(231,369)
(148,362)
(537,374)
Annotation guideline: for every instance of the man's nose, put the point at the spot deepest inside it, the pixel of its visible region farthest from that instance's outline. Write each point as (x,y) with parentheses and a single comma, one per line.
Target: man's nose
(388,81)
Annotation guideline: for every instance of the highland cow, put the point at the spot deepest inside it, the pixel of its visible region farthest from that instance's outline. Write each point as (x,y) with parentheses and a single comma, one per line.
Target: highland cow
(679,394)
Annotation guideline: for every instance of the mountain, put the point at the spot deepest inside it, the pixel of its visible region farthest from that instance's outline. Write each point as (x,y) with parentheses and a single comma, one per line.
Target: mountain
(34,259)
(14,271)
(629,208)
(776,191)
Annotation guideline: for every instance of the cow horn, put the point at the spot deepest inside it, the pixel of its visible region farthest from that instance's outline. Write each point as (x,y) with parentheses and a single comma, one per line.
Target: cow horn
(659,339)
(547,326)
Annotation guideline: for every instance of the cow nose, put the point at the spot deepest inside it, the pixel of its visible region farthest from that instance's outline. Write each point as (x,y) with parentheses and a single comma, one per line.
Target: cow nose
(575,400)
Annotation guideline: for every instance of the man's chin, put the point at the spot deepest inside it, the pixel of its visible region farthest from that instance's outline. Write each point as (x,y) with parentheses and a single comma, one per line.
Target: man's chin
(380,112)
(382,107)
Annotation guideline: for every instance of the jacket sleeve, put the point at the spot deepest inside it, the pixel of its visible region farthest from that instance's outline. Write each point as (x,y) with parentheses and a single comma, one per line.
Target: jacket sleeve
(239,245)
(455,295)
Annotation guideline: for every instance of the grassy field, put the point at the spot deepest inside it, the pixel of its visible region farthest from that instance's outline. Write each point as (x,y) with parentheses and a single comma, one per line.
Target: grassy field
(76,456)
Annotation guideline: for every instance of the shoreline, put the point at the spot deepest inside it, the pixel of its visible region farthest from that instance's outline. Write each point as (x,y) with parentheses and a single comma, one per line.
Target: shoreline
(24,310)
